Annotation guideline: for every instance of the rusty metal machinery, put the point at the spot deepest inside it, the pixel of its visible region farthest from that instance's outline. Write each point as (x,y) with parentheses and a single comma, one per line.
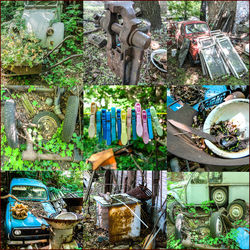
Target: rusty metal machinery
(126,54)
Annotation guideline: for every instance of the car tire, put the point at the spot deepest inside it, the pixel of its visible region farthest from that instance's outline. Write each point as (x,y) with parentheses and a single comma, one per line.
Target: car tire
(173,208)
(237,210)
(216,225)
(219,195)
(53,123)
(10,123)
(70,118)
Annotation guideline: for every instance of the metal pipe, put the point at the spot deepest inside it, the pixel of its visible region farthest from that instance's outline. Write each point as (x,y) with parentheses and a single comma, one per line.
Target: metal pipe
(33,88)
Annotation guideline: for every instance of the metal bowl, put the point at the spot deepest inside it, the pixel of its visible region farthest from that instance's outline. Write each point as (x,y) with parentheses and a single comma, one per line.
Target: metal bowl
(64,220)
(237,112)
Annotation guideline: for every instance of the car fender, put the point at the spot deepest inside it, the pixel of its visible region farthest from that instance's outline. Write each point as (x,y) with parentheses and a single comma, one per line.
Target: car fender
(175,196)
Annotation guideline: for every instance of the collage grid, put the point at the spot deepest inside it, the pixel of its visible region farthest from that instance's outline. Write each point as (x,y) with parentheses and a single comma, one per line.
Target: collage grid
(124,125)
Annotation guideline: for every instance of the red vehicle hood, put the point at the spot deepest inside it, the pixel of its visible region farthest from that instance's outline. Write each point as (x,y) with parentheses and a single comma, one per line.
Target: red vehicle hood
(194,36)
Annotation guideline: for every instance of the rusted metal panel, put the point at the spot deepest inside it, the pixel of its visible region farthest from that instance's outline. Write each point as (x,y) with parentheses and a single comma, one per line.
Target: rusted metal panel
(26,70)
(122,222)
(118,219)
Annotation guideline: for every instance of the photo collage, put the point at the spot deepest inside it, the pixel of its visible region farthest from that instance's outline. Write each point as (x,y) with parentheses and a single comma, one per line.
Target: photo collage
(124,125)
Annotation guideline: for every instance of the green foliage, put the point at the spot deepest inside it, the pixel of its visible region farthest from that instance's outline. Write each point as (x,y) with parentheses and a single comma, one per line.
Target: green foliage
(192,210)
(71,182)
(36,104)
(12,158)
(10,10)
(241,223)
(179,9)
(228,240)
(205,205)
(172,243)
(18,47)
(21,50)
(3,95)
(69,73)
(70,18)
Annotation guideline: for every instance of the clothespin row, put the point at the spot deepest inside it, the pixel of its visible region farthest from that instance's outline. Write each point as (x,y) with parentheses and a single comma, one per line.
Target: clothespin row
(117,124)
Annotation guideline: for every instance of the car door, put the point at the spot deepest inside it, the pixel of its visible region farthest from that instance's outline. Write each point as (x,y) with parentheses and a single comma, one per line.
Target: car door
(197,189)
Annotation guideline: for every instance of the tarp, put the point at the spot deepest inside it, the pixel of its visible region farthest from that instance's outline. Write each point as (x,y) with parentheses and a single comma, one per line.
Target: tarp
(243,237)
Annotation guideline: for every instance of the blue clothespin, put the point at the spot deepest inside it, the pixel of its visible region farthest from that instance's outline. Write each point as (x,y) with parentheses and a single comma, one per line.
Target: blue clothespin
(134,124)
(150,128)
(108,121)
(119,125)
(113,124)
(99,126)
(104,124)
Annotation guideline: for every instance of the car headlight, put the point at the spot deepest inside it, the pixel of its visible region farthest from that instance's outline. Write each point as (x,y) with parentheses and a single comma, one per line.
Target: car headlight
(17,232)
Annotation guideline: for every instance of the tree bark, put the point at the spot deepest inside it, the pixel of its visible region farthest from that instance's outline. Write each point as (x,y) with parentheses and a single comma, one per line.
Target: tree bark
(185,10)
(203,11)
(151,11)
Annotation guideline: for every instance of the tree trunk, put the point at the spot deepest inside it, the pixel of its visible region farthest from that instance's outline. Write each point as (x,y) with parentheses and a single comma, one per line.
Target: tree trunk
(203,11)
(108,182)
(151,11)
(131,180)
(185,10)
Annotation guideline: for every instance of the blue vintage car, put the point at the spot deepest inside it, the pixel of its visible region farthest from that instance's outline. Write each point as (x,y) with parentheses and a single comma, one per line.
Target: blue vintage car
(31,229)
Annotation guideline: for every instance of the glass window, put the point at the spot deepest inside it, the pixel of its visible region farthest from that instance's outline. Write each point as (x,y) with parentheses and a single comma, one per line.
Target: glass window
(215,177)
(196,28)
(29,192)
(199,178)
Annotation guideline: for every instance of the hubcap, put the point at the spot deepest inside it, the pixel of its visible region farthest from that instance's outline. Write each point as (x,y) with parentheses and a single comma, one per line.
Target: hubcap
(236,211)
(219,196)
(47,126)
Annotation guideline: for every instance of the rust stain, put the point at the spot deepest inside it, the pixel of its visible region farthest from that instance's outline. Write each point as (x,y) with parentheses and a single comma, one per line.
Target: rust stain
(120,220)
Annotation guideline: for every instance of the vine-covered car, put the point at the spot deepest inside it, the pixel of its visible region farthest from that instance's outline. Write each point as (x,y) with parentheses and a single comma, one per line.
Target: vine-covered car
(30,229)
(226,189)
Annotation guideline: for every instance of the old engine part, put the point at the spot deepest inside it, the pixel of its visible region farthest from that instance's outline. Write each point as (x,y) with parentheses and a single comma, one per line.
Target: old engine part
(126,53)
(47,122)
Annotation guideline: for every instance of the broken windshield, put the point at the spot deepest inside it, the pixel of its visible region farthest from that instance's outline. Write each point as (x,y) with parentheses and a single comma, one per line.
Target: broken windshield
(196,28)
(29,192)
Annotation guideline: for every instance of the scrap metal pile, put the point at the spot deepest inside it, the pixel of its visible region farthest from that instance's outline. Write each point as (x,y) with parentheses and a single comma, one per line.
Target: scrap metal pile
(218,56)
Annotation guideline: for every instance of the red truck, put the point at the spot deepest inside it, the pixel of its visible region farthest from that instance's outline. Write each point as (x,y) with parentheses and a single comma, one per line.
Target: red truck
(191,30)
